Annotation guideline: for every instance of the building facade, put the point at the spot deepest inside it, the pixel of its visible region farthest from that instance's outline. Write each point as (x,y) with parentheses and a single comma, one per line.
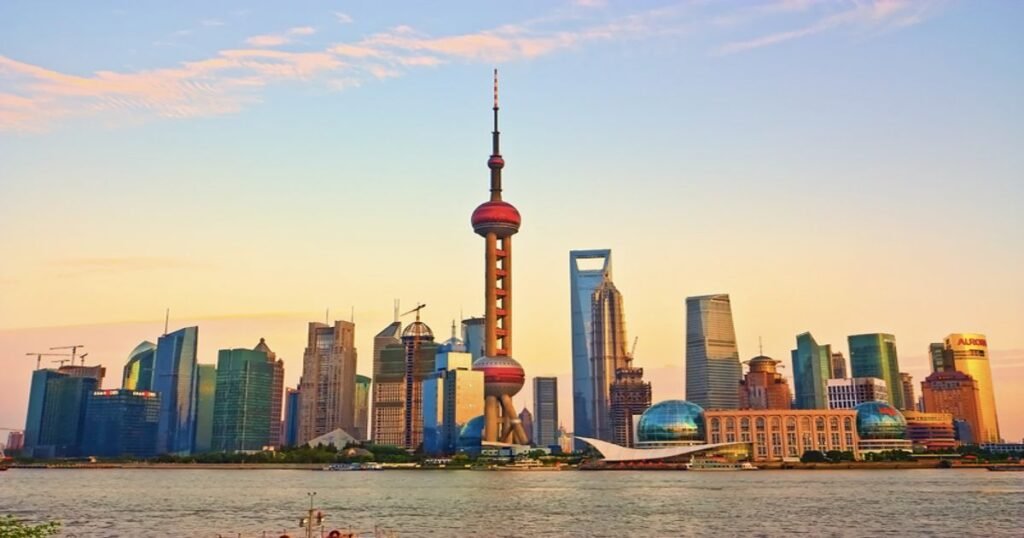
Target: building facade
(608,353)
(838,365)
(778,434)
(713,368)
(473,336)
(361,430)
(969,353)
(120,423)
(138,371)
(276,392)
(587,270)
(942,360)
(526,419)
(957,394)
(874,355)
(388,336)
(545,411)
(290,427)
(812,368)
(763,387)
(328,382)
(56,413)
(175,378)
(15,442)
(241,412)
(851,392)
(398,387)
(206,396)
(930,431)
(630,397)
(907,386)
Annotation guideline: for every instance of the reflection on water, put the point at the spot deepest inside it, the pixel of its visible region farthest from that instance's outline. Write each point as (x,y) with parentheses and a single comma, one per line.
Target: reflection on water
(152,503)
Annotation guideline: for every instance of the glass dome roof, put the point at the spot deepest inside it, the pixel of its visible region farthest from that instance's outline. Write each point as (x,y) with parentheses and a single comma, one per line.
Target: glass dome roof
(471,435)
(671,421)
(418,328)
(879,420)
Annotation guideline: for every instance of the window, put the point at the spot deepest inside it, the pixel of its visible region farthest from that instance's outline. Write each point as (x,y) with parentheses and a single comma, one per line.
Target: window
(849,440)
(819,424)
(759,424)
(821,441)
(848,424)
(776,423)
(730,424)
(745,424)
(730,437)
(834,423)
(791,444)
(805,423)
(835,440)
(790,424)
(762,450)
(714,424)
(716,437)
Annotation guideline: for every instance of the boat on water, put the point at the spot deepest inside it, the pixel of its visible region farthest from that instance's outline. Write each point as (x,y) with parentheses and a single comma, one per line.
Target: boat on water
(699,464)
(368,466)
(1018,468)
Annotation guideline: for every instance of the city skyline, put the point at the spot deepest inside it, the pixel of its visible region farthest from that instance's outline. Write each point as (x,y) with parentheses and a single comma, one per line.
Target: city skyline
(121,261)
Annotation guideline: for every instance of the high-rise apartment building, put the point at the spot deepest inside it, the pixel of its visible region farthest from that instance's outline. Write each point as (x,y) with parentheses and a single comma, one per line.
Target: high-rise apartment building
(389,336)
(955,393)
(362,427)
(276,392)
(763,387)
(629,397)
(851,392)
(175,378)
(970,355)
(328,383)
(907,386)
(121,422)
(608,352)
(290,429)
(398,387)
(545,411)
(874,355)
(713,368)
(838,365)
(206,398)
(138,371)
(56,413)
(812,368)
(241,412)
(587,270)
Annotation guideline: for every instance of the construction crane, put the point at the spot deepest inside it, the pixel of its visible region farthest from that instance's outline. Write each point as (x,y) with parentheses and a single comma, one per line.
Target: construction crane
(39,358)
(74,351)
(62,361)
(416,310)
(632,350)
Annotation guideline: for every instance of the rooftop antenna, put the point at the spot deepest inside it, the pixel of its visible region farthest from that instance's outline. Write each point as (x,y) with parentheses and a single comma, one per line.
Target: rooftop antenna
(397,307)
(760,348)
(453,329)
(167,320)
(327,316)
(495,151)
(352,316)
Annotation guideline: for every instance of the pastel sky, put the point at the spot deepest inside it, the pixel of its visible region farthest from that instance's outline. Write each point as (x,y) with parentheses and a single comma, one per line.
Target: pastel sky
(835,166)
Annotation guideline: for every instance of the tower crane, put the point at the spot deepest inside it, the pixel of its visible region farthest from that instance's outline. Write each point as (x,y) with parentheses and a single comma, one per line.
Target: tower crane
(416,310)
(62,361)
(632,350)
(74,351)
(39,357)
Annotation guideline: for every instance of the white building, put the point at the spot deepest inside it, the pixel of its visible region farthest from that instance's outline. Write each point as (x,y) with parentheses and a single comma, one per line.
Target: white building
(848,393)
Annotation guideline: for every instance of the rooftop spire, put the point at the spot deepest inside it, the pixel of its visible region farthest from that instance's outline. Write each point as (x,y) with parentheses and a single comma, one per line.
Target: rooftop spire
(495,163)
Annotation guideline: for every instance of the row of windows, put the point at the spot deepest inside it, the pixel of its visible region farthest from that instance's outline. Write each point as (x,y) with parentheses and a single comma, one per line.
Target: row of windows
(776,423)
(825,442)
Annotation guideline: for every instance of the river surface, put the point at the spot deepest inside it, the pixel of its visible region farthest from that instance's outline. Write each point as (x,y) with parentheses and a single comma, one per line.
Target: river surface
(205,503)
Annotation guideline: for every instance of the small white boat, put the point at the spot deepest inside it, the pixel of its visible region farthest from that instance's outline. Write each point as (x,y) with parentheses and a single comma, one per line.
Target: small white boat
(719,465)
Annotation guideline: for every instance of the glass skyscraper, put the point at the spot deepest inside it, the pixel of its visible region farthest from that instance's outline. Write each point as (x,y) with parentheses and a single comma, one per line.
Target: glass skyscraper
(138,372)
(609,354)
(812,368)
(713,370)
(874,355)
(291,417)
(206,394)
(121,422)
(241,409)
(969,354)
(587,269)
(175,378)
(545,411)
(362,428)
(56,413)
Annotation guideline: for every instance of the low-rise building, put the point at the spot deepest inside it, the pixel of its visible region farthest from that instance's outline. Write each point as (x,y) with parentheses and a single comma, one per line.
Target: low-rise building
(930,431)
(779,434)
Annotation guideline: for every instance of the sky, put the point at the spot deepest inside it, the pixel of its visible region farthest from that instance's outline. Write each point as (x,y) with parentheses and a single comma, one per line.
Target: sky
(838,167)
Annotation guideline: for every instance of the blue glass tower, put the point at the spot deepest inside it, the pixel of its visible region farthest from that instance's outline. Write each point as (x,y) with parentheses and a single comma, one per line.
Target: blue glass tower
(291,417)
(587,270)
(812,366)
(175,378)
(713,370)
(121,422)
(56,413)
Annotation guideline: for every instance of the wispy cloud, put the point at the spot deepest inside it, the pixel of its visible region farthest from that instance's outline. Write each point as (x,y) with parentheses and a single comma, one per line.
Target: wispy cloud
(72,267)
(343,18)
(211,22)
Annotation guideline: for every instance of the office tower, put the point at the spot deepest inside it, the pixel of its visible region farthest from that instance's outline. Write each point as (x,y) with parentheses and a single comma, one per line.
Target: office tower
(328,381)
(174,377)
(970,355)
(473,336)
(955,393)
(812,366)
(291,417)
(629,397)
(241,412)
(851,392)
(838,366)
(206,396)
(15,442)
(712,362)
(362,426)
(907,386)
(526,419)
(94,372)
(138,371)
(121,422)
(587,270)
(545,409)
(764,387)
(56,413)
(462,396)
(874,355)
(942,359)
(276,392)
(389,336)
(497,221)
(398,387)
(608,352)
(565,440)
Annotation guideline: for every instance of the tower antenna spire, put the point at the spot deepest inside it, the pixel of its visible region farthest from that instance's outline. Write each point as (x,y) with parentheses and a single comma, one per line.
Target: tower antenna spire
(495,163)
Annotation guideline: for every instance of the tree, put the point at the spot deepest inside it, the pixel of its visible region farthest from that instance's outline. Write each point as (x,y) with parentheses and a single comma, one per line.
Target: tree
(11,527)
(813,456)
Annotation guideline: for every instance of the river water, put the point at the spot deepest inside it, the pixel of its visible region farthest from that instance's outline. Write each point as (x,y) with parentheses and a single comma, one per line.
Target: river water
(205,503)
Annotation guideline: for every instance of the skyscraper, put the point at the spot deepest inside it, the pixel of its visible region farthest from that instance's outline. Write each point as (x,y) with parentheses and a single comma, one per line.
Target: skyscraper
(121,422)
(473,336)
(629,396)
(362,427)
(138,371)
(587,270)
(328,381)
(206,397)
(174,377)
(389,336)
(526,419)
(291,417)
(970,356)
(241,412)
(276,392)
(452,396)
(764,387)
(942,359)
(398,387)
(497,221)
(955,393)
(545,409)
(874,355)
(907,386)
(608,352)
(713,368)
(838,365)
(812,367)
(850,392)
(56,413)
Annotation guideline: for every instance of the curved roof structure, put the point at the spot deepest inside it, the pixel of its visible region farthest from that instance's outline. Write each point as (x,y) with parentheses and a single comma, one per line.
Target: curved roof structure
(613,452)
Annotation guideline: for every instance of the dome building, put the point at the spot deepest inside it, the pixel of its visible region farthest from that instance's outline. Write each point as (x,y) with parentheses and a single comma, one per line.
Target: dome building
(881,427)
(671,423)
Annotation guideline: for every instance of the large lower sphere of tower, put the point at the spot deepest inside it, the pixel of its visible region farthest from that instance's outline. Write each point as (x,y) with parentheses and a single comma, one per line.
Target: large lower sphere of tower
(502,375)
(496,216)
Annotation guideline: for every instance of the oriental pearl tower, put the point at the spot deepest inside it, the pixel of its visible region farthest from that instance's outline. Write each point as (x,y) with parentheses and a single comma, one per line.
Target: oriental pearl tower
(497,221)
